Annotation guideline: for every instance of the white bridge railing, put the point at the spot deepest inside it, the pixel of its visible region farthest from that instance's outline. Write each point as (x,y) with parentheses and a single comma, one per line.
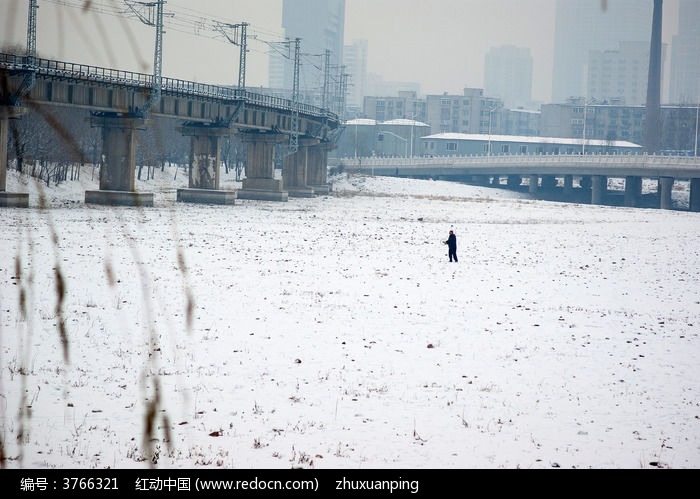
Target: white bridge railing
(631,160)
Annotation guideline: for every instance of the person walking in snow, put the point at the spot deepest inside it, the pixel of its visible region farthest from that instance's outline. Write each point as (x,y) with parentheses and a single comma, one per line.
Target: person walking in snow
(452,246)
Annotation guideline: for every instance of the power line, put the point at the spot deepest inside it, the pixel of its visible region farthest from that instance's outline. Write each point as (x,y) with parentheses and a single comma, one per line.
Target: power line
(180,19)
(94,6)
(193,22)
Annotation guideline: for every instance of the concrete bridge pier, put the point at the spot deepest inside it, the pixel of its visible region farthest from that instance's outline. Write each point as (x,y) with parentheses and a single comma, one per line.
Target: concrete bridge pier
(317,167)
(568,186)
(8,199)
(585,183)
(633,191)
(295,170)
(480,179)
(599,189)
(665,190)
(118,170)
(205,167)
(534,184)
(260,182)
(695,195)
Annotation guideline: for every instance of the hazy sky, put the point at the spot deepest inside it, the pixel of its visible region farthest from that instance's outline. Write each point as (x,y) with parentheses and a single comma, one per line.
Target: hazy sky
(440,44)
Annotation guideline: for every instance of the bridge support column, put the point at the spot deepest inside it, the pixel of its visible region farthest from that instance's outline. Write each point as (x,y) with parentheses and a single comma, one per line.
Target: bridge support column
(480,179)
(205,167)
(260,182)
(568,186)
(665,190)
(585,183)
(633,191)
(694,195)
(295,170)
(599,188)
(118,170)
(534,184)
(8,199)
(318,167)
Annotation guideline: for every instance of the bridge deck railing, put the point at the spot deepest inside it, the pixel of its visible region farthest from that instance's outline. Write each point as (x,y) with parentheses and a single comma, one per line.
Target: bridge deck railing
(116,77)
(642,160)
(73,70)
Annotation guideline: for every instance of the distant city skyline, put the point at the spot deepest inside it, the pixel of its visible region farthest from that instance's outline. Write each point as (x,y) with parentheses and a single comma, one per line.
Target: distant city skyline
(441,45)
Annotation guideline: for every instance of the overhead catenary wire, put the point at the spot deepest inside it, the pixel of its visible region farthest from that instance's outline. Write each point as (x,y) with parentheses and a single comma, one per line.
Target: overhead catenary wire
(180,19)
(194,22)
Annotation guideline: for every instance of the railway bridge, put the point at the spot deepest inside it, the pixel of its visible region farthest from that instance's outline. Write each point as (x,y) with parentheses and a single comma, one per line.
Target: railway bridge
(121,102)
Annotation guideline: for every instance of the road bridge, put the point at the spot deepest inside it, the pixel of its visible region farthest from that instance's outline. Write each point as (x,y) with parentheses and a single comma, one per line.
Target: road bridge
(119,104)
(543,173)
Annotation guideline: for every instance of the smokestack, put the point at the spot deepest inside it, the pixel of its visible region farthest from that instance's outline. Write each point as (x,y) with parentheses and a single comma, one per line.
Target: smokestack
(652,130)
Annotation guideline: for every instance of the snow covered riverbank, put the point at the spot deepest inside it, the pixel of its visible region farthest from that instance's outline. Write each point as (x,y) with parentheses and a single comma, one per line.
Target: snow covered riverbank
(334,333)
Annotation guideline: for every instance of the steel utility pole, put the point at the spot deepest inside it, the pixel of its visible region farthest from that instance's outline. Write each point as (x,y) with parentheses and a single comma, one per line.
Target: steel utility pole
(697,117)
(344,92)
(237,34)
(31,30)
(652,129)
(156,21)
(242,59)
(157,59)
(30,60)
(294,138)
(340,92)
(585,118)
(326,78)
(491,110)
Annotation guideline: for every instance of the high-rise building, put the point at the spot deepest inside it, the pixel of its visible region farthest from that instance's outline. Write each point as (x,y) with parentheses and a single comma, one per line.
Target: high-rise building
(620,75)
(612,122)
(583,26)
(467,113)
(355,62)
(685,58)
(405,105)
(508,75)
(321,26)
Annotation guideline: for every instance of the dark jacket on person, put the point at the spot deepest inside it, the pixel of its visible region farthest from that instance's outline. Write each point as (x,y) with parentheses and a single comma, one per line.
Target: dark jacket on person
(452,242)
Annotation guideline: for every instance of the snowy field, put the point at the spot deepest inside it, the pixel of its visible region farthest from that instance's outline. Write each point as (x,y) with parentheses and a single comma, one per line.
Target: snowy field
(334,333)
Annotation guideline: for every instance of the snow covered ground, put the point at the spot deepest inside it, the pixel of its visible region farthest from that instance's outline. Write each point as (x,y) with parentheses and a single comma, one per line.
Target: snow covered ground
(334,333)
